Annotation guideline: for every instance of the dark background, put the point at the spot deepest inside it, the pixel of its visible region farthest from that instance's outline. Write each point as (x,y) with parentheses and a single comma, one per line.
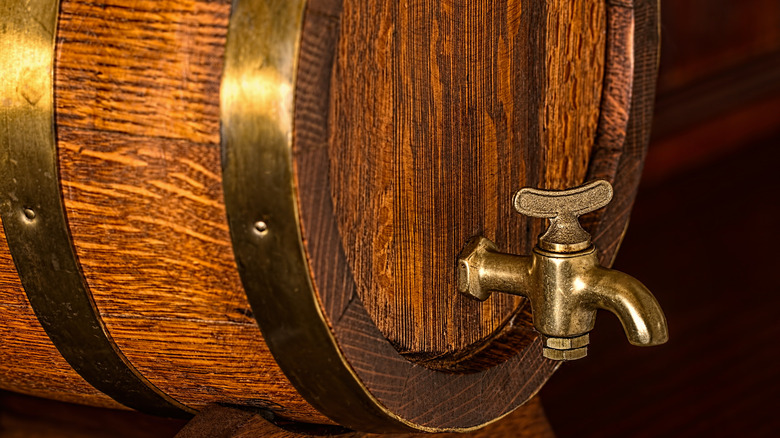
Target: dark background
(703,237)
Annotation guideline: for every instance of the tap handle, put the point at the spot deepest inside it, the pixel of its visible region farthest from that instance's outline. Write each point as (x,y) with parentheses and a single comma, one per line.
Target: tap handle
(563,208)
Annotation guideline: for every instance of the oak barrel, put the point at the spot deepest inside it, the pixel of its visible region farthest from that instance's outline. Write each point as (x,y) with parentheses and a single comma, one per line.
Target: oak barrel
(315,281)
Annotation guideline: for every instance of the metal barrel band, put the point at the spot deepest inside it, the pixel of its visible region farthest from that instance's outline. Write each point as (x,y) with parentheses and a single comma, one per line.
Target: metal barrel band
(34,218)
(257,118)
(257,123)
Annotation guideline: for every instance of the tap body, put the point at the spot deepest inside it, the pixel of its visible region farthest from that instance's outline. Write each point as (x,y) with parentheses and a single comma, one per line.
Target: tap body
(565,291)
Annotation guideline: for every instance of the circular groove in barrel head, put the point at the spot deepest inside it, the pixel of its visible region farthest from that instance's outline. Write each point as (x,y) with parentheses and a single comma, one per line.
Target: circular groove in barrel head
(258,179)
(256,136)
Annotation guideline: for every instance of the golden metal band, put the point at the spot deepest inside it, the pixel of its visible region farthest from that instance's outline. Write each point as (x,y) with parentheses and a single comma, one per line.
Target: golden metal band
(257,121)
(257,115)
(34,216)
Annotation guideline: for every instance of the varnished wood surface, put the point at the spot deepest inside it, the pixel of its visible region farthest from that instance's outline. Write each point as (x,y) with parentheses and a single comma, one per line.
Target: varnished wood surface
(415,393)
(29,362)
(137,96)
(391,379)
(435,123)
(138,131)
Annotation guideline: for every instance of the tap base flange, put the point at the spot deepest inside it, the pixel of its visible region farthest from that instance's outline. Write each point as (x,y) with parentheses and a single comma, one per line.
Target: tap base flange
(574,354)
(566,348)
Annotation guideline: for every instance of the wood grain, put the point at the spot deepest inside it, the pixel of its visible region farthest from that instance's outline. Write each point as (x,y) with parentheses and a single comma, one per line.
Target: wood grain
(137,94)
(418,394)
(440,112)
(29,362)
(138,128)
(392,379)
(623,136)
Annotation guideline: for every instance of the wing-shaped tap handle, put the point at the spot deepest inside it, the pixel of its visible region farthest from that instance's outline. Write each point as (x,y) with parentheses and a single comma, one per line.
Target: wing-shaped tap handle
(562,278)
(563,208)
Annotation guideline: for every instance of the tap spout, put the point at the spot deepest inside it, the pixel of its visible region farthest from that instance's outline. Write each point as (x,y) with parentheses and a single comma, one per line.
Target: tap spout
(563,279)
(565,290)
(642,318)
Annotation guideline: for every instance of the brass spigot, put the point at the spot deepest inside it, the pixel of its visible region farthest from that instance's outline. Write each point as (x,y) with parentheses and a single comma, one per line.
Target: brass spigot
(563,279)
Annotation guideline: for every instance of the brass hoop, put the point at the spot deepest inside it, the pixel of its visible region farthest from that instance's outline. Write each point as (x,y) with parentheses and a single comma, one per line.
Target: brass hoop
(257,115)
(33,214)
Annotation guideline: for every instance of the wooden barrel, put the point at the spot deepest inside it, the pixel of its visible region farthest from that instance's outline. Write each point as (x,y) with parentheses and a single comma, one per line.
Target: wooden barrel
(263,206)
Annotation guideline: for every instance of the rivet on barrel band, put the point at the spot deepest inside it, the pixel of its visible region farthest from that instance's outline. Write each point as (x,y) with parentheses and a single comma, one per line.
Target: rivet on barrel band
(257,119)
(34,216)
